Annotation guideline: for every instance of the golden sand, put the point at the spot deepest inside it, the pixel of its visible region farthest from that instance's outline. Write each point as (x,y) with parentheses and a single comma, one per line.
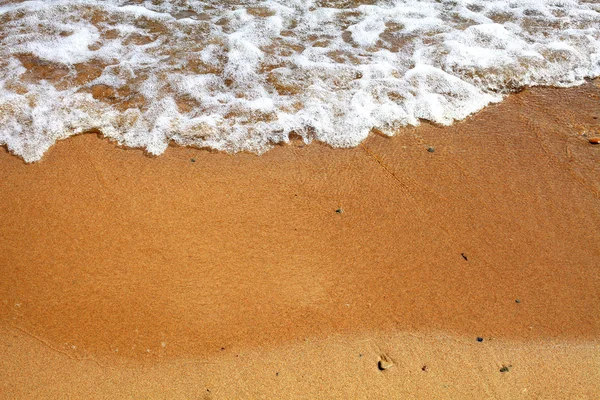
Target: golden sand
(295,273)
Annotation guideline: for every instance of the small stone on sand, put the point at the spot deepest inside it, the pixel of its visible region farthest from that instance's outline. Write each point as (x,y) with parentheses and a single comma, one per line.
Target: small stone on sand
(430,149)
(480,339)
(594,140)
(385,364)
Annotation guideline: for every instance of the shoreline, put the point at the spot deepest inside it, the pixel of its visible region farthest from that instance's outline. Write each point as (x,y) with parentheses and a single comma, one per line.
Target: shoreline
(296,140)
(482,229)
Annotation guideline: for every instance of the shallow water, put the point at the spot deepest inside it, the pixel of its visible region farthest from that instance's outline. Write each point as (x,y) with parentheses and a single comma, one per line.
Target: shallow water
(243,75)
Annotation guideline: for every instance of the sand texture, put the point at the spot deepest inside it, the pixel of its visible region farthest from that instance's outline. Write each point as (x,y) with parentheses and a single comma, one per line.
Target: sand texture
(294,274)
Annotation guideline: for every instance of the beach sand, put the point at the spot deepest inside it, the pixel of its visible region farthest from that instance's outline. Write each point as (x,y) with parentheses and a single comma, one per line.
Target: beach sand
(303,272)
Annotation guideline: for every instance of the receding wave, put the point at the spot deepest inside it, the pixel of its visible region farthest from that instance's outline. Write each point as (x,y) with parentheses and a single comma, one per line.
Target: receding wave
(243,75)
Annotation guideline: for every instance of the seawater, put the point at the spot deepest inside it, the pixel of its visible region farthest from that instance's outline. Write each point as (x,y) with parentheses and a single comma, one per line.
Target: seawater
(244,75)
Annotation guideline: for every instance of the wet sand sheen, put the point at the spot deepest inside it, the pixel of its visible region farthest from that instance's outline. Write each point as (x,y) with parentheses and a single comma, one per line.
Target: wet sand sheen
(110,254)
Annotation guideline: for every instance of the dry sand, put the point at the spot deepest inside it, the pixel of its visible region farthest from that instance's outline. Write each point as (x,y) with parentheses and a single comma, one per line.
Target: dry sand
(291,275)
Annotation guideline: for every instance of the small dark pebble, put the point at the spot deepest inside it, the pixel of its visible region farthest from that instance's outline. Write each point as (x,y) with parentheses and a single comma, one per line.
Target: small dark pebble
(504,369)
(479,339)
(276,373)
(222,348)
(339,211)
(424,368)
(193,160)
(430,149)
(517,301)
(463,255)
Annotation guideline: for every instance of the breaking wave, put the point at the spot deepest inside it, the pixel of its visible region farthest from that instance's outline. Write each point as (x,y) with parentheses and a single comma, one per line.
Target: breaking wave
(243,75)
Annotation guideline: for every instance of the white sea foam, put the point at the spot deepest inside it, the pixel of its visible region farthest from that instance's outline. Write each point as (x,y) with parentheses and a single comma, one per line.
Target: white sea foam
(243,75)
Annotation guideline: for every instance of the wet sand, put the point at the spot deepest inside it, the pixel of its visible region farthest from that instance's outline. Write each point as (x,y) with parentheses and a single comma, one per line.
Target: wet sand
(203,271)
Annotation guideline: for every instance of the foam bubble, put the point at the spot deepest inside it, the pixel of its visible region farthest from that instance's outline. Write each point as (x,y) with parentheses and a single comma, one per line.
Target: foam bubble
(243,75)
